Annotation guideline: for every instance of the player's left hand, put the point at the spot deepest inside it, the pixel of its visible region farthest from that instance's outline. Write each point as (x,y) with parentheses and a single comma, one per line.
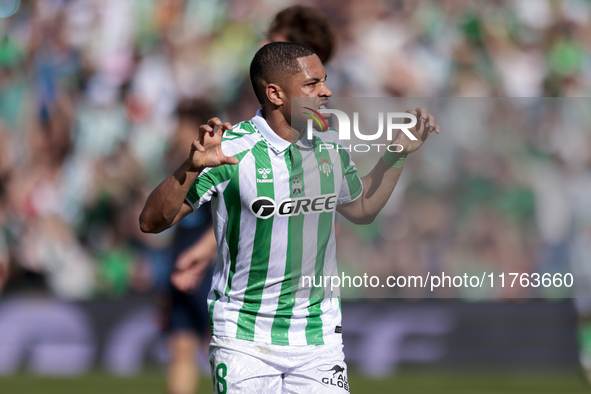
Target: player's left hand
(424,127)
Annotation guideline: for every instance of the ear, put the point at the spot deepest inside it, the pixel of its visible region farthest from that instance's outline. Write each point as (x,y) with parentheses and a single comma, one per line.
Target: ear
(275,94)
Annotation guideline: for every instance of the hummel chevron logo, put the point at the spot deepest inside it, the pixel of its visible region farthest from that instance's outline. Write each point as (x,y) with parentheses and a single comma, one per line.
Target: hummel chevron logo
(264,173)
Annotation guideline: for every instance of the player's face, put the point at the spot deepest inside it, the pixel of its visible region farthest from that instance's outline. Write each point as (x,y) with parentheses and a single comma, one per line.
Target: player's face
(311,80)
(310,83)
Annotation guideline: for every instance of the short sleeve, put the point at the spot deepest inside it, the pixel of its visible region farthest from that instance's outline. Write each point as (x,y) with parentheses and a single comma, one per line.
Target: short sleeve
(351,187)
(202,189)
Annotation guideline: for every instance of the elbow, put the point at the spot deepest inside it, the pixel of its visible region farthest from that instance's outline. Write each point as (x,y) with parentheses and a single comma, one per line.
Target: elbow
(367,220)
(364,220)
(146,226)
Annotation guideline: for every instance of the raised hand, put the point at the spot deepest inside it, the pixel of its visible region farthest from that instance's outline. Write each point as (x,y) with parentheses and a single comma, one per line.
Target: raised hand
(424,127)
(207,150)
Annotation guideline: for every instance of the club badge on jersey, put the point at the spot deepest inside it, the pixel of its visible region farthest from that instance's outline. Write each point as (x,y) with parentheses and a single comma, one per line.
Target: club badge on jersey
(325,166)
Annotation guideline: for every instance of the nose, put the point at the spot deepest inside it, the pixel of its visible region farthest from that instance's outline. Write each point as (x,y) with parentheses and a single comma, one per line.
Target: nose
(325,92)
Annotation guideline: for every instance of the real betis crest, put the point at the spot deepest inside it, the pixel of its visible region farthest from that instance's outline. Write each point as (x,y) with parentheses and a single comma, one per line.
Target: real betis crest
(325,166)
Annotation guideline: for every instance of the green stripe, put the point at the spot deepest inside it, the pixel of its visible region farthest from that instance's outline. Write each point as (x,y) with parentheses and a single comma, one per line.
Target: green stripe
(314,325)
(293,263)
(212,178)
(243,128)
(233,207)
(248,126)
(259,263)
(350,174)
(217,297)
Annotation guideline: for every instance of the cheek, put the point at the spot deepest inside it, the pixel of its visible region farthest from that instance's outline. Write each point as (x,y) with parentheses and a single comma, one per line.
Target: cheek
(297,91)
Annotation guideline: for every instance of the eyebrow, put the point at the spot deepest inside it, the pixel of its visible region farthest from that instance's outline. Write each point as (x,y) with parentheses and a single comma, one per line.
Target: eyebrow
(315,79)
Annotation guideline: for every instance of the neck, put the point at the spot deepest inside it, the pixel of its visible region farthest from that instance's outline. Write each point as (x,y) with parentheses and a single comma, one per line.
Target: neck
(278,124)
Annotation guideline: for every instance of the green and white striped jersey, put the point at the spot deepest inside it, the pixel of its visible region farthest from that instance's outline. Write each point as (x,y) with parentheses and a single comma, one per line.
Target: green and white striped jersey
(274,216)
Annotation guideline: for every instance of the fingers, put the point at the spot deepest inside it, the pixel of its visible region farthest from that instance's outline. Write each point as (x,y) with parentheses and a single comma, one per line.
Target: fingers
(230,160)
(210,130)
(213,122)
(203,130)
(422,113)
(184,281)
(425,123)
(223,127)
(184,261)
(418,129)
(430,123)
(188,279)
(196,145)
(423,119)
(429,119)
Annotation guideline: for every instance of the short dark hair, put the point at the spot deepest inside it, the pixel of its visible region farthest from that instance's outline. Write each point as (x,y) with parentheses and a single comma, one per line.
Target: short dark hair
(308,26)
(273,62)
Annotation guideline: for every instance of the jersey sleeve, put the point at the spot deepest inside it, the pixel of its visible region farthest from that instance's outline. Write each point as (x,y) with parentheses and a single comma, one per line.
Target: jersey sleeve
(351,187)
(213,180)
(202,189)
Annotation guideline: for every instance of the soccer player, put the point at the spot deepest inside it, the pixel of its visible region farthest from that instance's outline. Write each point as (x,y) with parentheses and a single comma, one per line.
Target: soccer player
(263,339)
(299,24)
(184,309)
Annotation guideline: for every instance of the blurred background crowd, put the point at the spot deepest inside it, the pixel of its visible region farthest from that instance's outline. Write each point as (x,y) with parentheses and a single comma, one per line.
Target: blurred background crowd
(504,189)
(99,101)
(93,95)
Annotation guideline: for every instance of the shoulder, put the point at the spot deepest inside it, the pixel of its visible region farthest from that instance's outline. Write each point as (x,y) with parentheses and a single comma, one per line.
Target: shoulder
(242,138)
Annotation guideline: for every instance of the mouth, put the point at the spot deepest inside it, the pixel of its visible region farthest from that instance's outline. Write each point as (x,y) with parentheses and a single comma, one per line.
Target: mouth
(324,105)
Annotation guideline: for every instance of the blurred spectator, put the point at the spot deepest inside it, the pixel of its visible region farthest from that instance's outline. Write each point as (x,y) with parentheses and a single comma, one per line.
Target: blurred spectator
(185,316)
(88,92)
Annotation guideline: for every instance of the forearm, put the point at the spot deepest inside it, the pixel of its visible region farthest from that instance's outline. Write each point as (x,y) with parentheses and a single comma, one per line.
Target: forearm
(381,181)
(165,202)
(378,186)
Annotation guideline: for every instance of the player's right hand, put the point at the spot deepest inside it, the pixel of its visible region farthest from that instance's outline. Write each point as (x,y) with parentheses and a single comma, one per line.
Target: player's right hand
(207,150)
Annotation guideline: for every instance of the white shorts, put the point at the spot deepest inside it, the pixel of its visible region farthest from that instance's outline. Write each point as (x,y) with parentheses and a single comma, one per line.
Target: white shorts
(246,367)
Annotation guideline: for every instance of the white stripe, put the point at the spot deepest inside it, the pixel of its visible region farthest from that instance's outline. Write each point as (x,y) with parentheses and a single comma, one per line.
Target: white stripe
(245,246)
(277,257)
(221,270)
(331,318)
(297,329)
